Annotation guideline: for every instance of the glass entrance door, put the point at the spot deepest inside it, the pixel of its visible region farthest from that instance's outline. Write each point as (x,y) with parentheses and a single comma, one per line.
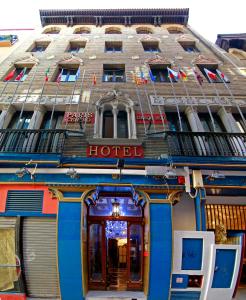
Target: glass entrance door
(97,255)
(135,256)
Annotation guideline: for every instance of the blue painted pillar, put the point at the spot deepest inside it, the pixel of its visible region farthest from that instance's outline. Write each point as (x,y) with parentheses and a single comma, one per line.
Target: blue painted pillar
(160,251)
(69,251)
(198,211)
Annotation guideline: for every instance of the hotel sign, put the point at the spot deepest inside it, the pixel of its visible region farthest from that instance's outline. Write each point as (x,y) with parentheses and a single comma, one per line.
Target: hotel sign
(103,151)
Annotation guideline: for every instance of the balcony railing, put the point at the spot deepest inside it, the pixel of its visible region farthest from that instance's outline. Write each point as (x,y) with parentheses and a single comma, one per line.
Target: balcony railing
(32,141)
(206,144)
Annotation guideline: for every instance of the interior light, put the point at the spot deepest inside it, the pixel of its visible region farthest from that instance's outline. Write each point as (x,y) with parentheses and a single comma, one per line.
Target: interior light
(116,209)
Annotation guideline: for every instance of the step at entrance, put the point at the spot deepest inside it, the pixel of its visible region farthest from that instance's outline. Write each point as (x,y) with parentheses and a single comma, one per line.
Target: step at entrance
(112,295)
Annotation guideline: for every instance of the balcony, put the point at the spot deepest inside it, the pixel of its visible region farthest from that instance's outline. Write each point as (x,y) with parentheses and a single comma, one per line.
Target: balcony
(32,141)
(206,144)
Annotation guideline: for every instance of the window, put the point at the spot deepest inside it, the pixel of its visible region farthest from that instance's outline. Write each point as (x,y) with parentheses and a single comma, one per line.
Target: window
(174,122)
(190,48)
(113,47)
(160,73)
(152,47)
(82,30)
(18,74)
(122,128)
(76,47)
(144,30)
(114,73)
(108,124)
(207,123)
(113,30)
(20,123)
(211,73)
(56,121)
(39,46)
(67,74)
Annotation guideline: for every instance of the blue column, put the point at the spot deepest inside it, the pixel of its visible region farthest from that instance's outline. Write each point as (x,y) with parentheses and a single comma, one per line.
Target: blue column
(69,251)
(160,251)
(198,211)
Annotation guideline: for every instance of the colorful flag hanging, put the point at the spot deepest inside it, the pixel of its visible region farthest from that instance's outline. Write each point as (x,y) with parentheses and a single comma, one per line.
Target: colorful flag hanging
(21,75)
(46,74)
(144,80)
(183,75)
(152,77)
(173,74)
(77,74)
(198,77)
(10,75)
(211,76)
(222,76)
(94,79)
(58,79)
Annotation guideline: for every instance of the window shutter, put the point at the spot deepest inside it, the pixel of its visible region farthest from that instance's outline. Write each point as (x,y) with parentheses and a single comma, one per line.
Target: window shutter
(31,201)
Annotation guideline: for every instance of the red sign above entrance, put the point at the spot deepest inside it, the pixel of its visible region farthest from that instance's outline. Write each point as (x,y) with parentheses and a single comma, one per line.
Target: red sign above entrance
(154,118)
(74,117)
(115,151)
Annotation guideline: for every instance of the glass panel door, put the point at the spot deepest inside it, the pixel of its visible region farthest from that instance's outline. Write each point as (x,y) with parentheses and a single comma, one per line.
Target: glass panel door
(135,256)
(96,256)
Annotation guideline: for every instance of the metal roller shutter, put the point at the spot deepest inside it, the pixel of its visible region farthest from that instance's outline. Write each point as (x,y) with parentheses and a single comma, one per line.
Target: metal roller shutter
(39,257)
(7,222)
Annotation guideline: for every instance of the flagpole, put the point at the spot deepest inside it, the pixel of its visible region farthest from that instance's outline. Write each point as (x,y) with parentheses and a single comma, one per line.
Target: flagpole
(23,104)
(218,95)
(208,106)
(88,105)
(141,108)
(12,100)
(233,98)
(80,93)
(176,102)
(151,112)
(155,93)
(71,99)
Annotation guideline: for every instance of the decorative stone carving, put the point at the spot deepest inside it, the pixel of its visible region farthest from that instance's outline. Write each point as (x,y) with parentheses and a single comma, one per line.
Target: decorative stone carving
(186,39)
(220,234)
(29,59)
(135,57)
(203,60)
(149,38)
(70,59)
(157,59)
(92,57)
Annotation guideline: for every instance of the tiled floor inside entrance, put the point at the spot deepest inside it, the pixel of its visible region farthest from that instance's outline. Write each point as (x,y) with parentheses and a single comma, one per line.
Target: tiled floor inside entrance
(106,295)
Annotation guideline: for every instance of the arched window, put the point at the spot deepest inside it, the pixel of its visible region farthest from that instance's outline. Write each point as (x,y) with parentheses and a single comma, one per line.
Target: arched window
(144,30)
(115,117)
(108,124)
(113,30)
(52,30)
(82,30)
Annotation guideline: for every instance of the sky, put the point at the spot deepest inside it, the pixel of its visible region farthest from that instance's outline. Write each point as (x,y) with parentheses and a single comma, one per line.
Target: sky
(208,17)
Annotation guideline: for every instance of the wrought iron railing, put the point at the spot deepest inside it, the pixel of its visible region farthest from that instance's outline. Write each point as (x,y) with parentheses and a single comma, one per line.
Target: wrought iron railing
(206,143)
(32,141)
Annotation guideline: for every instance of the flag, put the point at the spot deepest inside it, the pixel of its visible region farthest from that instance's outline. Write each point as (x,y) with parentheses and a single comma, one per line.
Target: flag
(211,76)
(94,79)
(20,76)
(222,76)
(173,74)
(152,77)
(46,74)
(183,75)
(77,74)
(143,79)
(10,75)
(198,77)
(58,79)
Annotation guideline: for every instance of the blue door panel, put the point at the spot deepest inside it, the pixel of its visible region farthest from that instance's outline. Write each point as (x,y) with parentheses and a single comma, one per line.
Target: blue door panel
(224,268)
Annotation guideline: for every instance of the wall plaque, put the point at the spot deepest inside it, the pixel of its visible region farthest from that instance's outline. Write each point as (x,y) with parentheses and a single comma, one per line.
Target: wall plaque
(74,117)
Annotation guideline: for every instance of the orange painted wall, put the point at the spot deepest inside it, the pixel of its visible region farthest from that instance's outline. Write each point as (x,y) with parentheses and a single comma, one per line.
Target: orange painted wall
(12,297)
(50,205)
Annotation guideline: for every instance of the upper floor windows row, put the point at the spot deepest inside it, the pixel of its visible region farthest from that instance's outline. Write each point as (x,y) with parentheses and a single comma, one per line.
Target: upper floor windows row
(110,47)
(111,30)
(116,73)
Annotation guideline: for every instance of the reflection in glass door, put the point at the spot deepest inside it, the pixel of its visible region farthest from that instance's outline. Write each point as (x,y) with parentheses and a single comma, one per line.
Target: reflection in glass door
(96,256)
(135,256)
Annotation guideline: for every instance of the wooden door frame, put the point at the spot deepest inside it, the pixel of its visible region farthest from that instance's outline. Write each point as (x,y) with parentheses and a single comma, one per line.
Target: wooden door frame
(102,284)
(135,285)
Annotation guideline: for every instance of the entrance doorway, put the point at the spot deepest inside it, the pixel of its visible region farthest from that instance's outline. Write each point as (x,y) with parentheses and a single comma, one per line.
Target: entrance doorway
(115,245)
